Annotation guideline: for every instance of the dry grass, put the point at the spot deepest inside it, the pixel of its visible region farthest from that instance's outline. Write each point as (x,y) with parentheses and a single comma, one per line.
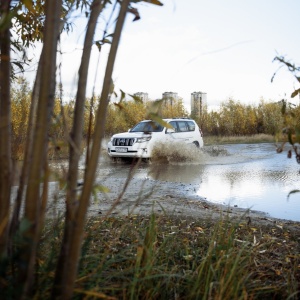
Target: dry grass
(148,257)
(245,139)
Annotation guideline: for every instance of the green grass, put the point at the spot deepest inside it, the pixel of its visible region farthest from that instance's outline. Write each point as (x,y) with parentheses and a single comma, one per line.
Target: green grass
(151,257)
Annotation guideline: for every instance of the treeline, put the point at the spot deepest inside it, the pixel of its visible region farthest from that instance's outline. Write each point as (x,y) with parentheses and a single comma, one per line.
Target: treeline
(235,118)
(231,119)
(121,115)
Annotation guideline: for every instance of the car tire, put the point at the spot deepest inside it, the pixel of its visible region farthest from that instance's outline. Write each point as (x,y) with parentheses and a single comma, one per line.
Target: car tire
(196,144)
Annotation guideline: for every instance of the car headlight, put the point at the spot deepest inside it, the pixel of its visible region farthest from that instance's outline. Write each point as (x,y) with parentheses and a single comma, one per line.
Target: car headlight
(143,139)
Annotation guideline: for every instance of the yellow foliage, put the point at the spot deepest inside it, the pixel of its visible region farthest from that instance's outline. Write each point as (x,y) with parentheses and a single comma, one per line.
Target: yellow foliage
(124,115)
(232,119)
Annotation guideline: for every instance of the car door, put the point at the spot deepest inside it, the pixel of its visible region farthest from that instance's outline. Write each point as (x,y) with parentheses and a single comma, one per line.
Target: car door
(180,132)
(184,132)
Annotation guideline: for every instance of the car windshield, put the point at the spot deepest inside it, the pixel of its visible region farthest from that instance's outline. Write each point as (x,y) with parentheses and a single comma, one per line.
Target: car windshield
(148,126)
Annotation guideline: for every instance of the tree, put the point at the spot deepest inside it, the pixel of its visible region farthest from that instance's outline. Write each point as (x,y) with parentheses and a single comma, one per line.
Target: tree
(291,123)
(66,269)
(50,16)
(34,205)
(5,127)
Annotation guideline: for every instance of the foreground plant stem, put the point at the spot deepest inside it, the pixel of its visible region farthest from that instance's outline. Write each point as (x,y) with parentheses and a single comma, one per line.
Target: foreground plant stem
(64,289)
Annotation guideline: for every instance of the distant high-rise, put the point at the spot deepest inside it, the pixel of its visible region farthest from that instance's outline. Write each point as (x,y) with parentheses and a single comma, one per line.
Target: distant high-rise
(143,96)
(169,97)
(198,103)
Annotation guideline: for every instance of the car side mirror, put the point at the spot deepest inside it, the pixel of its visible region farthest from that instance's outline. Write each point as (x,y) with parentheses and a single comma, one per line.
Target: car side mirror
(129,129)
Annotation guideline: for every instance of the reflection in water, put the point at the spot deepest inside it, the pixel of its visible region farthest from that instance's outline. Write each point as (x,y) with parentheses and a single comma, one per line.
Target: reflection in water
(248,176)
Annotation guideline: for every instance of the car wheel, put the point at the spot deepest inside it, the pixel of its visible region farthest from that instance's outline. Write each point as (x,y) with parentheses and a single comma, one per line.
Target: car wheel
(196,144)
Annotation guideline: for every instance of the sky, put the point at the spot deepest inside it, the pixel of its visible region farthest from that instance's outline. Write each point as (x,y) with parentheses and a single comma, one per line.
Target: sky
(224,48)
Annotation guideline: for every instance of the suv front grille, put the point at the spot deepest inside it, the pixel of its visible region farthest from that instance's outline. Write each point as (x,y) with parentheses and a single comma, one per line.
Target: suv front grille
(123,141)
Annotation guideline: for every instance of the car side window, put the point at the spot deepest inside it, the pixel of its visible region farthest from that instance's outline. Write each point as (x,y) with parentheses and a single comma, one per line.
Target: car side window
(174,124)
(182,126)
(191,125)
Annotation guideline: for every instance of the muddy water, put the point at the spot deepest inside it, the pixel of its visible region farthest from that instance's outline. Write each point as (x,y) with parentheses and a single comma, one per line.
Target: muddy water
(246,175)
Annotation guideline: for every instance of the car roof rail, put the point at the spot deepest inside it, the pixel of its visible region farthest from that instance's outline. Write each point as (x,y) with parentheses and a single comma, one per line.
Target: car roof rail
(187,118)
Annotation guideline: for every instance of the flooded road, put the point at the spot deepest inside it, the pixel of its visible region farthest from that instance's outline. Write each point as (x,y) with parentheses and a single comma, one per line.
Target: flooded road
(245,175)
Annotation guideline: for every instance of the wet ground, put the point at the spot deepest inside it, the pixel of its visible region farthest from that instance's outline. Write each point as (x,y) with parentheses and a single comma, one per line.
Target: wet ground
(185,180)
(250,176)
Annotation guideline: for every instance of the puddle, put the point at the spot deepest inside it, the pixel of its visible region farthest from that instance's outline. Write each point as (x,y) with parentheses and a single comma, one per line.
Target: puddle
(245,175)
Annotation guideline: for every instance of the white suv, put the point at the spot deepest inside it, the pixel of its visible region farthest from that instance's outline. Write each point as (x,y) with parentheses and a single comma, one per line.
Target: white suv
(141,139)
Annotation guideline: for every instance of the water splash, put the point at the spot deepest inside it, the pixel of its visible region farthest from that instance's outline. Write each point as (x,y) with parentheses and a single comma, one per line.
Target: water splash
(216,150)
(185,153)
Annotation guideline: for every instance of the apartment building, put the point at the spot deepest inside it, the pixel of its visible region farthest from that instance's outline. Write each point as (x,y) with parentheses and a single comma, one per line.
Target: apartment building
(198,103)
